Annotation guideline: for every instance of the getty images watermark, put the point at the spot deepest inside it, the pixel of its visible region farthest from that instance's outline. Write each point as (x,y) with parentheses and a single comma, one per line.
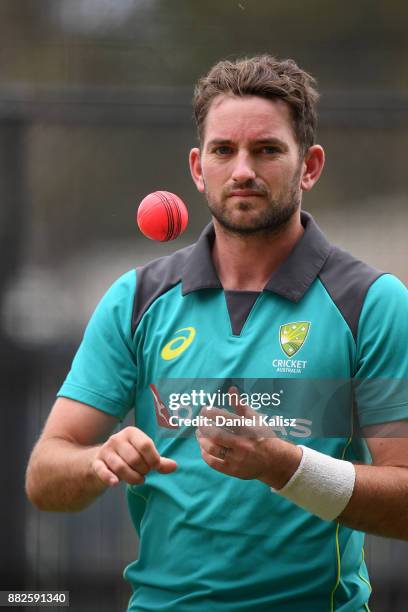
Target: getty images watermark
(201,407)
(220,399)
(287,407)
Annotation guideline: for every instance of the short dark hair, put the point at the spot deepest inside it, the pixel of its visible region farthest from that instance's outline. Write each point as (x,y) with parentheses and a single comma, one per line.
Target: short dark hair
(267,77)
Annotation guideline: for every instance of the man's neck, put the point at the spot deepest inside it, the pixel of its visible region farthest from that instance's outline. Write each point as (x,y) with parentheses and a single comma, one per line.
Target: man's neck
(246,263)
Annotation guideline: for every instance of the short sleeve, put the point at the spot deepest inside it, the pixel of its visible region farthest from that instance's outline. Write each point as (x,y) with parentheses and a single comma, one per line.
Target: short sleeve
(104,369)
(381,380)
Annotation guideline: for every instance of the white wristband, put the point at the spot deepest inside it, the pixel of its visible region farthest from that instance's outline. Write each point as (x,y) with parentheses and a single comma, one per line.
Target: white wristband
(321,484)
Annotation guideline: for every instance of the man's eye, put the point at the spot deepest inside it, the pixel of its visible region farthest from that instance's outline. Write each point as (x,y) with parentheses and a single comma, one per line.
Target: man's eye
(269,150)
(223,150)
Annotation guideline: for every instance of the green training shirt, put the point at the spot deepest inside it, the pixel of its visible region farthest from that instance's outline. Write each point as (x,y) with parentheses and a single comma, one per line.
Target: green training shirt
(215,542)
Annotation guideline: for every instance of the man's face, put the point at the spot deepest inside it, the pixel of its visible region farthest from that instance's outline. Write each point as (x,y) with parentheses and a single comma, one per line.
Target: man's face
(249,166)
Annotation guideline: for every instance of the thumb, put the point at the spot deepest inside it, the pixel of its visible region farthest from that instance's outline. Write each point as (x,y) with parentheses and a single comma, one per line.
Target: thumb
(239,406)
(166,465)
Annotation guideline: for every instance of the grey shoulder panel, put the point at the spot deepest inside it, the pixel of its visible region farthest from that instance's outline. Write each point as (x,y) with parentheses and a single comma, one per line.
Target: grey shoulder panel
(155,278)
(347,281)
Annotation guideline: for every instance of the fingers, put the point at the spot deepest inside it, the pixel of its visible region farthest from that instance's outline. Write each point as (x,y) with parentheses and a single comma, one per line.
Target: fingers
(238,406)
(132,457)
(129,455)
(214,462)
(166,465)
(104,473)
(144,445)
(211,448)
(258,428)
(122,470)
(219,435)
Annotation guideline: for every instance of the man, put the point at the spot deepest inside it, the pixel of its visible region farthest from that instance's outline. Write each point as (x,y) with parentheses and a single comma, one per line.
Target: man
(229,518)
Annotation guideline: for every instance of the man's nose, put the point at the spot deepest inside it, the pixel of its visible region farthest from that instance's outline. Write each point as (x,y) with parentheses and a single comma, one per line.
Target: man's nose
(243,169)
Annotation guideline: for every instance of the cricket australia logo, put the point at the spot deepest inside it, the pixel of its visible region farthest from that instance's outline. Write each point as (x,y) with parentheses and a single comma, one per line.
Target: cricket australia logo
(292,336)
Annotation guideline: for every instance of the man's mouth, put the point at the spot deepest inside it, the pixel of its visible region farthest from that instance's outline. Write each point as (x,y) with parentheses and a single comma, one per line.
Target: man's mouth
(245,193)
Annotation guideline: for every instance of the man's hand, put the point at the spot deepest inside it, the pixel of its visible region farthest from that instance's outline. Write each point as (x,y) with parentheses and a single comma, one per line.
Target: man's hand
(129,455)
(247,451)
(75,460)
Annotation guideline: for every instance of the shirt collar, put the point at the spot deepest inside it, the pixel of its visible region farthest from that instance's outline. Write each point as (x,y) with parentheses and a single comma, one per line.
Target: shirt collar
(291,280)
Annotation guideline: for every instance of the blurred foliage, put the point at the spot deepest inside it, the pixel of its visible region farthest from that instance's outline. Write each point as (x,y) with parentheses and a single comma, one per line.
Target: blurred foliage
(133,43)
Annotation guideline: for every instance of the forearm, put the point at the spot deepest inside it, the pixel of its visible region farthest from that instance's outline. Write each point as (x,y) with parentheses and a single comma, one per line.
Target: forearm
(379,503)
(60,477)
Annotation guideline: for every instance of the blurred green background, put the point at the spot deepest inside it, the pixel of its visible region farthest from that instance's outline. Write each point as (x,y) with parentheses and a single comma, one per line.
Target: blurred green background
(95,112)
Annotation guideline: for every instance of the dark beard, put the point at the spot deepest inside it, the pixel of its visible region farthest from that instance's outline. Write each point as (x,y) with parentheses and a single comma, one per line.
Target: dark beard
(274,219)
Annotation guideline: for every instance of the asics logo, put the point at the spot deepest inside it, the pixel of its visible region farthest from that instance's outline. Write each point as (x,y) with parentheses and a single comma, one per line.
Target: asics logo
(178,345)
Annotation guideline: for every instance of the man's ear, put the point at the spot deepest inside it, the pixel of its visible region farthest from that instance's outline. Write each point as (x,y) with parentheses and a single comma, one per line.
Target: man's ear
(313,166)
(196,170)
